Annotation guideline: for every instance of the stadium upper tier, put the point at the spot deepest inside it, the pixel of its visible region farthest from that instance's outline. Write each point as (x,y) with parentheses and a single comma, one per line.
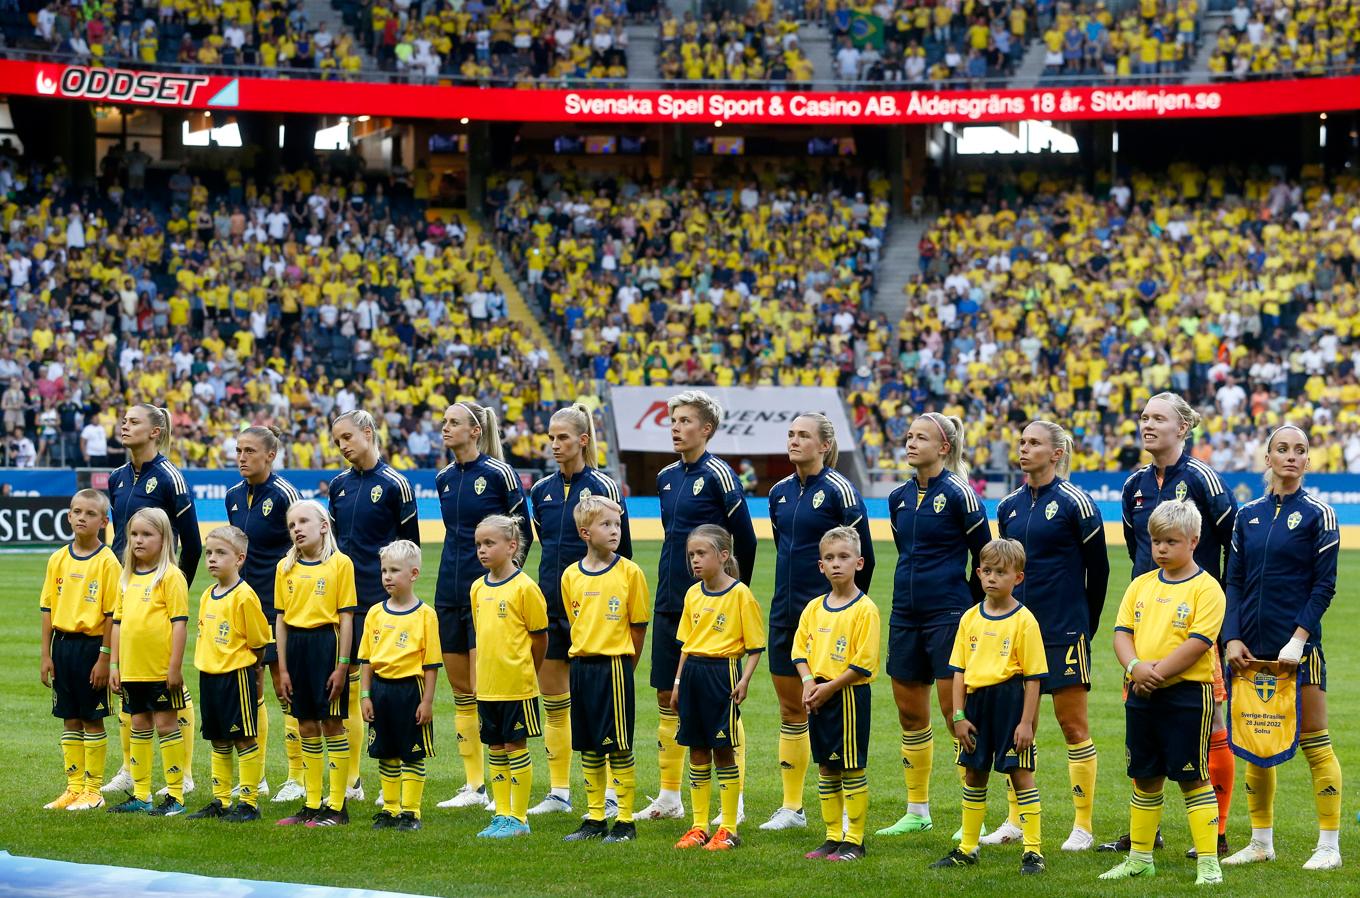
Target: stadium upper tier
(888,45)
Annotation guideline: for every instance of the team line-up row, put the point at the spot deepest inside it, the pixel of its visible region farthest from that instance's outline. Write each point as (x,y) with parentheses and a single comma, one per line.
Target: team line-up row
(990,624)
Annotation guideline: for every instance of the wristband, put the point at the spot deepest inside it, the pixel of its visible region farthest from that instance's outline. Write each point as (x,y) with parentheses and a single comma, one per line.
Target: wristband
(344,659)
(104,650)
(1128,668)
(959,715)
(113,664)
(364,694)
(809,678)
(677,681)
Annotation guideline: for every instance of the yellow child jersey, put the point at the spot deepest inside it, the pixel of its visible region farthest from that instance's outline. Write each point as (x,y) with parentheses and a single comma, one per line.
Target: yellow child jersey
(231,627)
(504,615)
(833,640)
(401,644)
(80,591)
(603,606)
(721,625)
(990,650)
(314,593)
(1162,615)
(144,613)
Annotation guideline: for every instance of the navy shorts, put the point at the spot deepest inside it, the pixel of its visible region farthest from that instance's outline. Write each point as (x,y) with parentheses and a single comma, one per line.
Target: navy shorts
(839,729)
(270,654)
(74,655)
(509,721)
(356,637)
(780,653)
(559,638)
(394,732)
(708,716)
(457,635)
(1313,667)
(603,705)
(146,698)
(996,712)
(1069,664)
(312,656)
(1167,733)
(227,705)
(919,653)
(665,650)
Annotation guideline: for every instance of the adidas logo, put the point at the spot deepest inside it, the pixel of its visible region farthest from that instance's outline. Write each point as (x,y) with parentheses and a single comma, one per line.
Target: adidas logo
(1254,521)
(666,488)
(1011,515)
(498,778)
(460,738)
(783,499)
(519,726)
(1069,672)
(342,495)
(901,505)
(785,765)
(235,728)
(1330,790)
(834,757)
(1077,791)
(99,707)
(721,735)
(608,741)
(907,764)
(1189,767)
(1024,818)
(172,770)
(446,488)
(415,748)
(1011,752)
(235,508)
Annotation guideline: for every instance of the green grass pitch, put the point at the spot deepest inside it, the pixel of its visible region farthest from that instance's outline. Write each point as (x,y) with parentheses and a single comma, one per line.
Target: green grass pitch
(446,859)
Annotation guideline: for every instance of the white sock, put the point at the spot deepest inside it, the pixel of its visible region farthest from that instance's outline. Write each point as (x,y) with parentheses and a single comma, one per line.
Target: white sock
(1265,836)
(1144,856)
(565,794)
(669,795)
(1329,838)
(920,809)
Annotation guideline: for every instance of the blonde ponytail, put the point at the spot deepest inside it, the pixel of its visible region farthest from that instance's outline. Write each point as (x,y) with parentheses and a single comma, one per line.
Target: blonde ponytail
(951,431)
(1272,481)
(826,432)
(580,419)
(721,541)
(1189,417)
(160,418)
(1058,438)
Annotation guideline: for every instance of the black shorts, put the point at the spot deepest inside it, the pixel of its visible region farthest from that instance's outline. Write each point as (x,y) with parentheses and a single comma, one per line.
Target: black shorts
(780,653)
(603,705)
(145,698)
(394,732)
(313,656)
(74,655)
(510,721)
(708,716)
(996,712)
(1313,667)
(1167,734)
(457,636)
(559,638)
(227,704)
(919,653)
(839,729)
(665,650)
(356,636)
(270,654)
(1069,664)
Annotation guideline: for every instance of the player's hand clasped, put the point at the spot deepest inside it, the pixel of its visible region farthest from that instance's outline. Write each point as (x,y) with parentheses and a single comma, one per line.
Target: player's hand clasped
(966,733)
(1145,679)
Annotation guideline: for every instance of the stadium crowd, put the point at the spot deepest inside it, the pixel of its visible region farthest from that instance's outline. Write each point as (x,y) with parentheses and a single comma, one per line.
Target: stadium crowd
(283,303)
(759,45)
(1266,39)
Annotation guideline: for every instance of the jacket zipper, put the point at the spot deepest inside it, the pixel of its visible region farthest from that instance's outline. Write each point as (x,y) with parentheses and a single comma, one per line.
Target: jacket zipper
(1261,571)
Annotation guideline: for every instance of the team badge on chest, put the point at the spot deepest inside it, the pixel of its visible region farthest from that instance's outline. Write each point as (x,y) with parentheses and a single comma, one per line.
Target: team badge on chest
(1050,510)
(375,494)
(1293,520)
(818,498)
(479,485)
(151,486)
(938,504)
(1180,491)
(266,507)
(698,486)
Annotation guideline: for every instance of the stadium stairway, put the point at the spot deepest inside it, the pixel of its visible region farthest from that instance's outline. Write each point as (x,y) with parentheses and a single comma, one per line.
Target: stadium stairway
(1031,69)
(514,299)
(820,51)
(1209,24)
(899,263)
(318,11)
(642,54)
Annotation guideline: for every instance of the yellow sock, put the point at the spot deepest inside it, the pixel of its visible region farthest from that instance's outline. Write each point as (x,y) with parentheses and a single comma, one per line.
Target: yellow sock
(729,795)
(833,805)
(412,787)
(623,776)
(1081,772)
(125,735)
(313,769)
(795,753)
(96,748)
(1260,782)
(354,729)
(918,756)
(1201,807)
(139,761)
(739,753)
(188,726)
(1012,806)
(262,734)
(292,744)
(499,769)
(974,811)
(389,774)
(1326,770)
(557,739)
(1031,816)
(221,773)
(700,793)
(337,765)
(469,741)
(856,787)
(172,762)
(596,777)
(671,754)
(957,768)
(1145,815)
(73,759)
(252,771)
(521,783)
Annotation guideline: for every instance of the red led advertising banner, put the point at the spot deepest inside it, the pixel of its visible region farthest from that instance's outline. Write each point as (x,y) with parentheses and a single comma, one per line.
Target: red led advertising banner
(183,91)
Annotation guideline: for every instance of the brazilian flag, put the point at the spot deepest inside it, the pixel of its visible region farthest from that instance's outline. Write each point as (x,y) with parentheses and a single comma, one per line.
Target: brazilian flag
(866,30)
